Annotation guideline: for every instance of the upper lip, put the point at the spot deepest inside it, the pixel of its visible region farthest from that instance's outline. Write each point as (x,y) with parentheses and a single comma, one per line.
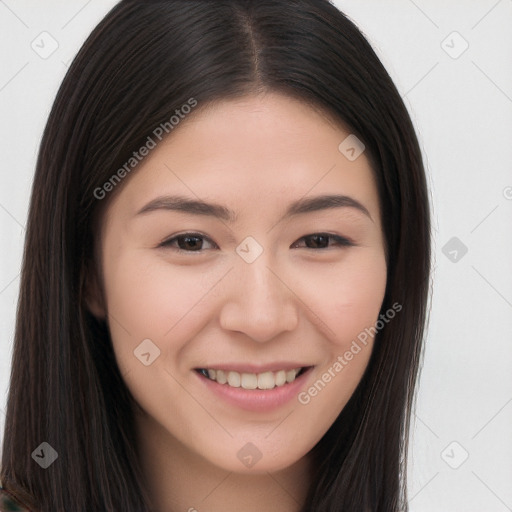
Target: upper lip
(253,368)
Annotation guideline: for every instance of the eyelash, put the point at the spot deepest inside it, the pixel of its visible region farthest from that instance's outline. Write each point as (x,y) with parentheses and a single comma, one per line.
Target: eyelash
(341,241)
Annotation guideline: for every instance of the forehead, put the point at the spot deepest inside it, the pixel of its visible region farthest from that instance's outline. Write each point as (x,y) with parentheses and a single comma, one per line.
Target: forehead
(252,153)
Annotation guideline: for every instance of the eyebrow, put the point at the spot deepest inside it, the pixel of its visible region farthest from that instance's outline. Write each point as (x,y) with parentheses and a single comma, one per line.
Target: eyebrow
(197,207)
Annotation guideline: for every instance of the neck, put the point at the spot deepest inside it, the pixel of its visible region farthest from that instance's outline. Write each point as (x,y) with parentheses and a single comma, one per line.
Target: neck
(181,480)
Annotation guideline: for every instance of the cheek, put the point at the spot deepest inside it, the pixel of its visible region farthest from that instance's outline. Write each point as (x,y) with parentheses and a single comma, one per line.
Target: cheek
(349,306)
(149,299)
(348,296)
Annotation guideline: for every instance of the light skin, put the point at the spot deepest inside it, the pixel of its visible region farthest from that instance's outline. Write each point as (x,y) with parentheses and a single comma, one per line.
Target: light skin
(303,299)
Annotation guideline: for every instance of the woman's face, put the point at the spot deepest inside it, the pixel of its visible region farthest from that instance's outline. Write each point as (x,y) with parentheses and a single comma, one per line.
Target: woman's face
(248,244)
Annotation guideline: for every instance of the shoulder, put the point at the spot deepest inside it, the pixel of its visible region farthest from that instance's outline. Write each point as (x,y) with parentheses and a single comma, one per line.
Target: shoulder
(8,503)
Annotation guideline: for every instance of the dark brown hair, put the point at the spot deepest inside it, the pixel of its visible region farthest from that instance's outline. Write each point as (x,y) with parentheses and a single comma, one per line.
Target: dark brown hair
(142,62)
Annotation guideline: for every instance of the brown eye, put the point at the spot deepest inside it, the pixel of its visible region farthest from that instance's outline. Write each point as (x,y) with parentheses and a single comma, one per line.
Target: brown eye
(187,242)
(321,241)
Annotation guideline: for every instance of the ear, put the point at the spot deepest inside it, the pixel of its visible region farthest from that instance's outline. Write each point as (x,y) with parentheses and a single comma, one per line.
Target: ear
(93,295)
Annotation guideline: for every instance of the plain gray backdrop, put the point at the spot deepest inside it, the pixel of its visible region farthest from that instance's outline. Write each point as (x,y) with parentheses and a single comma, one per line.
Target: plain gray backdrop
(452,63)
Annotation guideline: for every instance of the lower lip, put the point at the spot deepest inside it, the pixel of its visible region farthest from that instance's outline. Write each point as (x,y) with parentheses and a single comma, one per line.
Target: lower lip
(258,400)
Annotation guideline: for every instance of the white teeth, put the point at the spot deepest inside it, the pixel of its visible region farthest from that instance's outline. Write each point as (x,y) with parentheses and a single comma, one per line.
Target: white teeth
(249,381)
(234,379)
(280,378)
(265,380)
(290,375)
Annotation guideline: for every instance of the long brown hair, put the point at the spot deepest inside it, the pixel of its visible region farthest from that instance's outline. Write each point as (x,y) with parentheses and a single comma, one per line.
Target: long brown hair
(141,63)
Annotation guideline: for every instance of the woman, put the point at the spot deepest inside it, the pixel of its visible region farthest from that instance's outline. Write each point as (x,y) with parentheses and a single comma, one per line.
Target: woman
(274,368)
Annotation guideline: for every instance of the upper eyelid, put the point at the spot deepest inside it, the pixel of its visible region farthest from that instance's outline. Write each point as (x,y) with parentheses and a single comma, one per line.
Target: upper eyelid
(188,233)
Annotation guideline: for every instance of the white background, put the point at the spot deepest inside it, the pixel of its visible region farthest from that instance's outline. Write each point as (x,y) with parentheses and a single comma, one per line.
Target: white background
(462,108)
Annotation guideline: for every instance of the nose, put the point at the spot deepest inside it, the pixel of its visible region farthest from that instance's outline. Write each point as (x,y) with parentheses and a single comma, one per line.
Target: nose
(259,302)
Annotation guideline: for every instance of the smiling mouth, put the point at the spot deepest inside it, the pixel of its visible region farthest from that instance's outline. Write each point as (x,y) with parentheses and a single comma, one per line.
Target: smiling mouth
(265,380)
